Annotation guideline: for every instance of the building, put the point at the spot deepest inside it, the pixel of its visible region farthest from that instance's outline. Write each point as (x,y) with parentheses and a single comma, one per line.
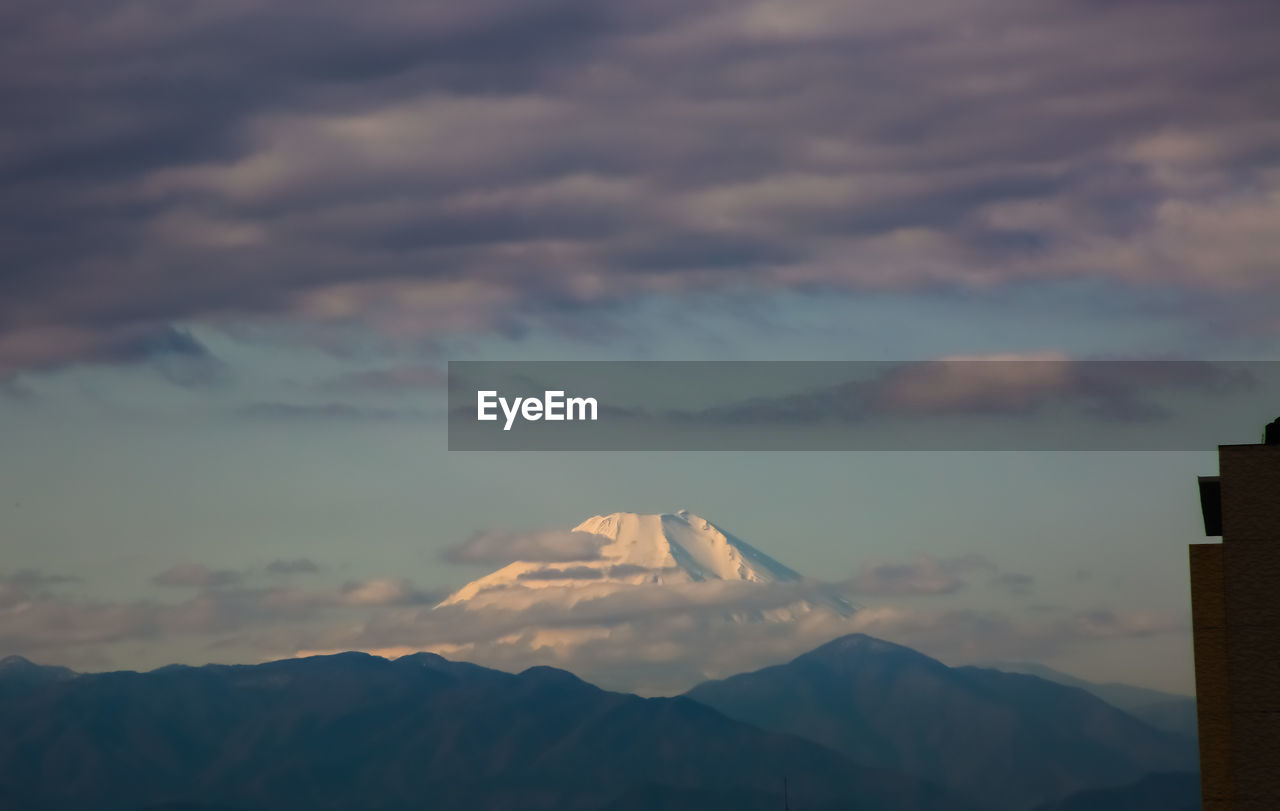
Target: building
(1235,609)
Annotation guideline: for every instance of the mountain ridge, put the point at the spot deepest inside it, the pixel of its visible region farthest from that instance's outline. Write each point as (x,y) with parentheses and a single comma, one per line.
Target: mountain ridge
(1011,739)
(908,727)
(1171,712)
(352,730)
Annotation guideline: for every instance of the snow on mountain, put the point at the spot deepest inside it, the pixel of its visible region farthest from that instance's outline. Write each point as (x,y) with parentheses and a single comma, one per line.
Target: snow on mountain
(671,549)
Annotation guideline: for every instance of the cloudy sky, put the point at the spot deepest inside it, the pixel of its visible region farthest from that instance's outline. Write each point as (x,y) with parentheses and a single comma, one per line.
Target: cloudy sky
(240,240)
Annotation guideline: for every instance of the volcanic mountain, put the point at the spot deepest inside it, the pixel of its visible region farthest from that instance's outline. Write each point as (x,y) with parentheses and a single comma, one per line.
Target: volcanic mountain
(635,550)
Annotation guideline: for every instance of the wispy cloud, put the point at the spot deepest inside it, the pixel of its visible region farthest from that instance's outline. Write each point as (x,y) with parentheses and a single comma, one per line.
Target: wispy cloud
(292,566)
(326,411)
(664,640)
(22,586)
(34,620)
(196,575)
(926,575)
(1014,582)
(656,638)
(1003,386)
(389,380)
(36,578)
(500,547)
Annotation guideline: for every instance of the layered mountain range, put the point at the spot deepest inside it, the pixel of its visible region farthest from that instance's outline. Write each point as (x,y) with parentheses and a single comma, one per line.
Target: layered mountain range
(354,731)
(858,723)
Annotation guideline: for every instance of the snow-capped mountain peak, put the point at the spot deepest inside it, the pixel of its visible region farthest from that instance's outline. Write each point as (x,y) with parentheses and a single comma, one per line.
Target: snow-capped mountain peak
(682,545)
(634,549)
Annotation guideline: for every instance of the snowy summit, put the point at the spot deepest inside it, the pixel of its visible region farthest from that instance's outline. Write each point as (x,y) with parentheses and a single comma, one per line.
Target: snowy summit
(634,549)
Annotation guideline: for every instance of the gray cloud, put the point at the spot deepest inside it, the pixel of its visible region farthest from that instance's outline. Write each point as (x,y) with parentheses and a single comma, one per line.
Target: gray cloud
(32,621)
(1014,582)
(927,575)
(196,575)
(391,379)
(627,569)
(385,591)
(1001,386)
(36,578)
(24,585)
(176,355)
(650,638)
(663,640)
(172,353)
(500,547)
(292,566)
(568,573)
(325,411)
(428,171)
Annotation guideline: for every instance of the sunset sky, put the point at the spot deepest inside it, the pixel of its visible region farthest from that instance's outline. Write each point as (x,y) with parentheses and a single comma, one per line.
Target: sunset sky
(240,241)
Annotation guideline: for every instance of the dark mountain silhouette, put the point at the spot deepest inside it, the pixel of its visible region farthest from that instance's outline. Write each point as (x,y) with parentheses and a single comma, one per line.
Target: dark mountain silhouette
(1006,740)
(354,731)
(1168,711)
(1175,791)
(664,798)
(18,675)
(188,807)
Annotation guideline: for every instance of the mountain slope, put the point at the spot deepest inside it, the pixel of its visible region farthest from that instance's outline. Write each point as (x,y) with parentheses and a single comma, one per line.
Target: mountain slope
(638,550)
(18,675)
(1167,711)
(15,669)
(1124,696)
(1009,740)
(690,545)
(356,731)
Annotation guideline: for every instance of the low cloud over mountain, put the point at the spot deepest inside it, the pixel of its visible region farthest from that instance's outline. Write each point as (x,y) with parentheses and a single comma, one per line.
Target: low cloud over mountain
(648,603)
